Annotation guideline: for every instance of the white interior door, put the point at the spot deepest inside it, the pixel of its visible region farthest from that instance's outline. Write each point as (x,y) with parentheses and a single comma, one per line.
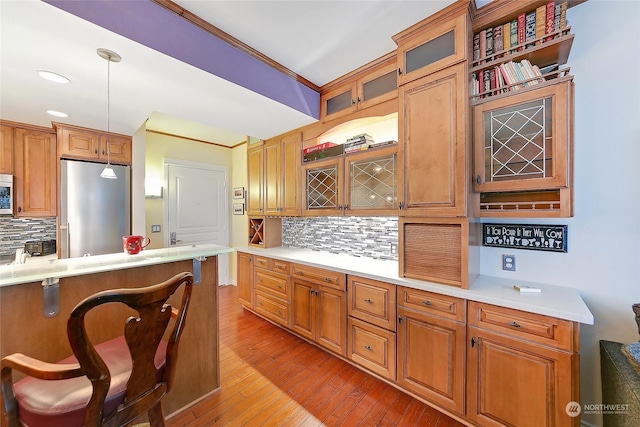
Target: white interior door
(197,210)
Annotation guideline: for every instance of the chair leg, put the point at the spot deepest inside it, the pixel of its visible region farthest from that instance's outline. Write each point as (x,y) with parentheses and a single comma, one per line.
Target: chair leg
(156,417)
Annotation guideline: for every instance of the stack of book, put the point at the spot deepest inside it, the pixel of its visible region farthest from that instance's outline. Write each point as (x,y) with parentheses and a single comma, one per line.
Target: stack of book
(358,142)
(506,77)
(322,151)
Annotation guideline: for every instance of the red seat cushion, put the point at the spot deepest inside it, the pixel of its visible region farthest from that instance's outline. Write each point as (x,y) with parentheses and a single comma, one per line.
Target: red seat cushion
(62,403)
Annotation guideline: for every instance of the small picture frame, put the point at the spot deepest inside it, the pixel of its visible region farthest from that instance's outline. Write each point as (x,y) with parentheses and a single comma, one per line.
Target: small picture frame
(238,208)
(238,193)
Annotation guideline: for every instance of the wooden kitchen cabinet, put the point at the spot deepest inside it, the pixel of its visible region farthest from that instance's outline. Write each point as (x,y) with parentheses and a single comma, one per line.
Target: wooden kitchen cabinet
(431,347)
(255,180)
(372,325)
(433,148)
(522,368)
(6,149)
(319,307)
(88,144)
(245,279)
(361,183)
(369,85)
(282,160)
(272,290)
(434,43)
(523,152)
(35,173)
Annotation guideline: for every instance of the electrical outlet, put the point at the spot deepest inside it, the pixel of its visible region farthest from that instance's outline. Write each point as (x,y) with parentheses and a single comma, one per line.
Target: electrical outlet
(393,248)
(508,262)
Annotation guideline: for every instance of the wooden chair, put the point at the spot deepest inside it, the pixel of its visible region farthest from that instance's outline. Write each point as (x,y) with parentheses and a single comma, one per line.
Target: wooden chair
(109,384)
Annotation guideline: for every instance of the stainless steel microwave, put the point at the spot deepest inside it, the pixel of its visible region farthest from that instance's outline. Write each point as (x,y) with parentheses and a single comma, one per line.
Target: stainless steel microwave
(6,194)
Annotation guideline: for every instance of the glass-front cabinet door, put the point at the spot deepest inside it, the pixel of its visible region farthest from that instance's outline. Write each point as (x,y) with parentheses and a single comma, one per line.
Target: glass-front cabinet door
(323,188)
(522,142)
(372,185)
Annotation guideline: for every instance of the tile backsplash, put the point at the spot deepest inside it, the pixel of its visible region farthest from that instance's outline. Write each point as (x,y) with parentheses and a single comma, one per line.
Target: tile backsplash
(14,232)
(358,236)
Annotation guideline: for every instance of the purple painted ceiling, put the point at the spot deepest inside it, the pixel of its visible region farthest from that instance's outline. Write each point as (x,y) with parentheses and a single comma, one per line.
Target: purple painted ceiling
(155,27)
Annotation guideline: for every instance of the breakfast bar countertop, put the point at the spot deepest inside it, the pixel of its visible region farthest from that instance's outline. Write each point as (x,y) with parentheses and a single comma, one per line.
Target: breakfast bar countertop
(33,271)
(553,300)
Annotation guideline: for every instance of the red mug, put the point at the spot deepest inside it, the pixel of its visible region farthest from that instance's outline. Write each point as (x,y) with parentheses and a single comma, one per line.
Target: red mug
(134,244)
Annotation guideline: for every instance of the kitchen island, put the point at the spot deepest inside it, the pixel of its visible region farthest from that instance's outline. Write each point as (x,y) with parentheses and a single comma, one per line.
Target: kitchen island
(26,327)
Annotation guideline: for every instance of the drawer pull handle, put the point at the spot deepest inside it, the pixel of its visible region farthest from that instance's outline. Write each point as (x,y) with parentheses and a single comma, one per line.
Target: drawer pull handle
(368,301)
(300,273)
(368,347)
(279,287)
(515,324)
(426,302)
(327,279)
(259,303)
(279,312)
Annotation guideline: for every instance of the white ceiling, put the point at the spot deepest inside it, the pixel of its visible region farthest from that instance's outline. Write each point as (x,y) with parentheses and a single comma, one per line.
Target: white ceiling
(317,39)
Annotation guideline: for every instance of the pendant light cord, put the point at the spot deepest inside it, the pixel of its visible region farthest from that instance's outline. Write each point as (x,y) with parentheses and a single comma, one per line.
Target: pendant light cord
(108,108)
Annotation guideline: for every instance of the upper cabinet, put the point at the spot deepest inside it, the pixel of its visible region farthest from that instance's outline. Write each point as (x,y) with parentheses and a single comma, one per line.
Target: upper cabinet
(255,179)
(369,85)
(35,173)
(6,149)
(433,44)
(89,144)
(522,110)
(282,160)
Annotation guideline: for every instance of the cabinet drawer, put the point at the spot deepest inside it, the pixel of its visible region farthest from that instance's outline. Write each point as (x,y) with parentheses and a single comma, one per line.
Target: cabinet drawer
(372,301)
(280,266)
(272,309)
(429,302)
(372,347)
(319,276)
(260,261)
(542,329)
(272,283)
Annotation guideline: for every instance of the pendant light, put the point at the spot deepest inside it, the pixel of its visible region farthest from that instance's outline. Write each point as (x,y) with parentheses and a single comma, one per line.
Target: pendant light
(110,56)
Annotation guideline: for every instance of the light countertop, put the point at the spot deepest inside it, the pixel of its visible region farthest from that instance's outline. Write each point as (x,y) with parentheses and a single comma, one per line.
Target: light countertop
(553,300)
(36,270)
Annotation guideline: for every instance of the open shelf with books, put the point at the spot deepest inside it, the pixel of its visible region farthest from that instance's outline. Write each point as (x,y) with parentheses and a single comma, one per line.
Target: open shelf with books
(518,45)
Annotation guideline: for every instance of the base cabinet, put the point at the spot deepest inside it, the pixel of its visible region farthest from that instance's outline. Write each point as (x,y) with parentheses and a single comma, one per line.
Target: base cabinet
(512,378)
(431,348)
(319,314)
(245,279)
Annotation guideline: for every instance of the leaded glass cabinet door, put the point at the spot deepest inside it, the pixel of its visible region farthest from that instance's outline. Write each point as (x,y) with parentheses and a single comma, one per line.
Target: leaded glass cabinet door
(372,184)
(323,188)
(523,142)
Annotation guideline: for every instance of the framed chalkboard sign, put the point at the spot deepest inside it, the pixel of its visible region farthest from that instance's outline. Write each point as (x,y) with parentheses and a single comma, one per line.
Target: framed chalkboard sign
(551,238)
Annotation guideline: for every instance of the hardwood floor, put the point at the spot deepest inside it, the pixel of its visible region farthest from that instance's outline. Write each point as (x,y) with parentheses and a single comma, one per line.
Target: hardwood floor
(272,378)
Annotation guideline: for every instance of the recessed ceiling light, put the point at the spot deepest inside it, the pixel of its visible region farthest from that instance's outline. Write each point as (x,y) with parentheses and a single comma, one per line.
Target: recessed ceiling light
(57,113)
(57,78)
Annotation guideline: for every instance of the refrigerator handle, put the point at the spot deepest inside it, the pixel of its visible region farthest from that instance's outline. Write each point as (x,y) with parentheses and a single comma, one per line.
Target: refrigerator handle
(64,250)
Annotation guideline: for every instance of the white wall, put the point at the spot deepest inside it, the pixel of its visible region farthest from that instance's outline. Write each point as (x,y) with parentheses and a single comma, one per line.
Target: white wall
(603,259)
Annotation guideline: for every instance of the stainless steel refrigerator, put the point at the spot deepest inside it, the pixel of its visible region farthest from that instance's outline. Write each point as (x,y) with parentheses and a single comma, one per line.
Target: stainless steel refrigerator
(94,212)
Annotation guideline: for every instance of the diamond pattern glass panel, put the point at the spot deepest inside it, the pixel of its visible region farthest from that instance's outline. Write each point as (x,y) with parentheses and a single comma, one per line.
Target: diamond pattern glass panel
(373,184)
(518,143)
(322,188)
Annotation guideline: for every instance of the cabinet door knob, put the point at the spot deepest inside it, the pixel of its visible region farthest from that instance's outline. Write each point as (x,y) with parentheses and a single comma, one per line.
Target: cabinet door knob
(400,205)
(368,347)
(477,179)
(279,312)
(426,302)
(327,279)
(368,301)
(515,324)
(473,342)
(353,101)
(399,71)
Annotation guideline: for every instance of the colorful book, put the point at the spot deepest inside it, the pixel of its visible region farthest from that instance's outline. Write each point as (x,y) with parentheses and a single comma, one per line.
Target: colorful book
(318,147)
(506,37)
(483,46)
(521,30)
(513,37)
(556,16)
(549,26)
(476,47)
(498,42)
(486,81)
(563,14)
(530,29)
(489,42)
(541,23)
